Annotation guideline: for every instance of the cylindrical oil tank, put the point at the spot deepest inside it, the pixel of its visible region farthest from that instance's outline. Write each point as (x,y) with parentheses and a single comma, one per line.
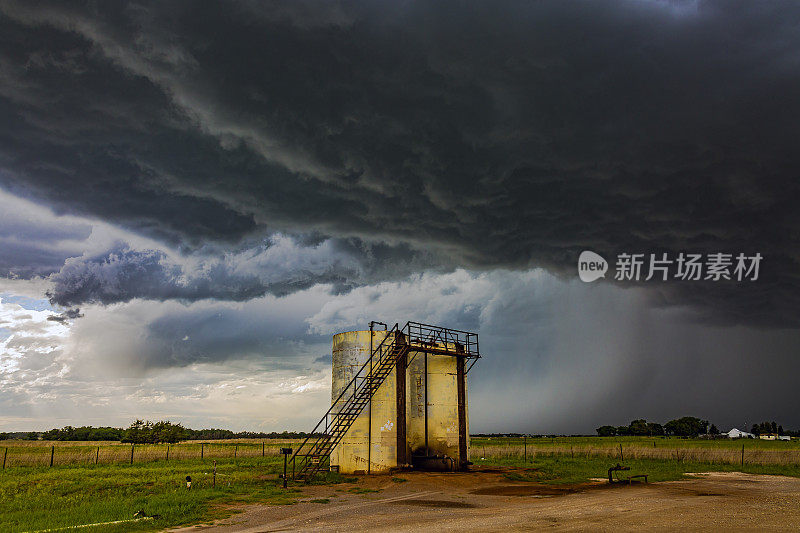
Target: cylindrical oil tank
(431,401)
(370,445)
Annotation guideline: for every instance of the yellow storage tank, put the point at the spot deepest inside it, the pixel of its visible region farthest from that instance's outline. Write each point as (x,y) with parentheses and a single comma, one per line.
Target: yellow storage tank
(422,420)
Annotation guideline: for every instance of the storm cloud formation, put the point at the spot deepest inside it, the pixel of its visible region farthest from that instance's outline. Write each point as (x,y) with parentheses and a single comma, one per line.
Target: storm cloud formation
(279,266)
(509,135)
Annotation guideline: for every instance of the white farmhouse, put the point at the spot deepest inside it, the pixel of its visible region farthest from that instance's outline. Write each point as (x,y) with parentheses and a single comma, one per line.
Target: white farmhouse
(738,434)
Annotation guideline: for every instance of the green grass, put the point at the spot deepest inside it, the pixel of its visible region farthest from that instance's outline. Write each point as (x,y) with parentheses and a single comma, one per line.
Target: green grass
(38,453)
(321,500)
(399,480)
(717,451)
(33,498)
(560,469)
(656,442)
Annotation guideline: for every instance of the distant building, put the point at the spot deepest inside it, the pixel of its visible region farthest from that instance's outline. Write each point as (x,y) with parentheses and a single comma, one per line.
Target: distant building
(767,436)
(738,434)
(784,437)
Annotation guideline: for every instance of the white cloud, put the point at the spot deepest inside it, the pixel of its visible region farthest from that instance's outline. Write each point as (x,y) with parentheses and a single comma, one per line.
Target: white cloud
(29,336)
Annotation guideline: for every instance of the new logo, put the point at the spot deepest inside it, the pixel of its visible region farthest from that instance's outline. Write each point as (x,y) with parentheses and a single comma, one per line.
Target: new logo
(591,266)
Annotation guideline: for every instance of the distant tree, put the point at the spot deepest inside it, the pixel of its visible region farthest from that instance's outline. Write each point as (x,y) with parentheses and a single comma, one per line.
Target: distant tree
(655,429)
(106,433)
(32,435)
(713,430)
(638,427)
(780,430)
(141,432)
(606,431)
(84,433)
(766,428)
(137,432)
(687,426)
(623,431)
(4,436)
(211,434)
(167,432)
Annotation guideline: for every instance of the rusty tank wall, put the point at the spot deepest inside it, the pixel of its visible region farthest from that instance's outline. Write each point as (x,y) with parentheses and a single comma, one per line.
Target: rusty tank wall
(362,450)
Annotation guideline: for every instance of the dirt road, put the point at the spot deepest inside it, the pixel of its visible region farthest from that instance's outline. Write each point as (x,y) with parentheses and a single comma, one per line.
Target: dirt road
(487,501)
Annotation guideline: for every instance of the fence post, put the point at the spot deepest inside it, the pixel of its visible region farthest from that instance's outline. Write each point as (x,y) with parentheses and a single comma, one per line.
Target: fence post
(5,454)
(525,443)
(571,452)
(52,453)
(132,445)
(214,481)
(236,451)
(262,449)
(621,457)
(202,449)
(742,454)
(97,455)
(167,452)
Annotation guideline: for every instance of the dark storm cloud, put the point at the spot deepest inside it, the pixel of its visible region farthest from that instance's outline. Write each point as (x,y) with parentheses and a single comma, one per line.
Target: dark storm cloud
(506,135)
(69,314)
(278,267)
(219,334)
(32,245)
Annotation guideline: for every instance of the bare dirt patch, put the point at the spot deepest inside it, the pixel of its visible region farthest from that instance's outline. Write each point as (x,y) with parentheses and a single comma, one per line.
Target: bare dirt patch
(524,490)
(488,501)
(435,503)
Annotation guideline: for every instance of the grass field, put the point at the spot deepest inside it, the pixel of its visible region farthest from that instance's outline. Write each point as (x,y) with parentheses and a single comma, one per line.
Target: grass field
(38,453)
(80,492)
(719,451)
(34,498)
(560,468)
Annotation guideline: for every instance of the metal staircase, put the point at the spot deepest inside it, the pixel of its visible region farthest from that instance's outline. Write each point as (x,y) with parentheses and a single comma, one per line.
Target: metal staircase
(315,451)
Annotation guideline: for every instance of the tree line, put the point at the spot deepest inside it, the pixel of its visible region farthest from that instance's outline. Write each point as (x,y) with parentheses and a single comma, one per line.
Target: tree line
(687,426)
(146,432)
(772,428)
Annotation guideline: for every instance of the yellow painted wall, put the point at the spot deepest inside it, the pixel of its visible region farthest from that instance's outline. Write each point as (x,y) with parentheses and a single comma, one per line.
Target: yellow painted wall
(355,452)
(442,405)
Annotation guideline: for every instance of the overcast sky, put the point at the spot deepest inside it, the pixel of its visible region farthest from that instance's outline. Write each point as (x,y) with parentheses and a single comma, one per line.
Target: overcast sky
(195,197)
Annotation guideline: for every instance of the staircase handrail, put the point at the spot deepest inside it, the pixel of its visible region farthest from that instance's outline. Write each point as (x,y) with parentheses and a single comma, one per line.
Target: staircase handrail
(378,349)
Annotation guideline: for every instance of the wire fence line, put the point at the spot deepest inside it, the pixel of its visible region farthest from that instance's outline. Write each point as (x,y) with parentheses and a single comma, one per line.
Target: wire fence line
(729,453)
(23,453)
(61,453)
